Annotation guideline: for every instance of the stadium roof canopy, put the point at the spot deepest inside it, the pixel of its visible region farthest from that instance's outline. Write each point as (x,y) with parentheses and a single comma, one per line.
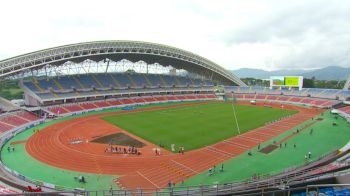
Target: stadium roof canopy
(117,50)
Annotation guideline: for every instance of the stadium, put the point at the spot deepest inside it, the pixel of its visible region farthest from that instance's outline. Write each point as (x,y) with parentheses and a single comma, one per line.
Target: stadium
(135,118)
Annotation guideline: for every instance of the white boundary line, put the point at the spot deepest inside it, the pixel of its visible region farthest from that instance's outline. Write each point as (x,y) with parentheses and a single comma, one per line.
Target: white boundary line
(182,165)
(147,179)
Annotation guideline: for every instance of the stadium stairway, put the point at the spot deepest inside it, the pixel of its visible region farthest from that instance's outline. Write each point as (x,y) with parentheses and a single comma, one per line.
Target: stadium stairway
(5,126)
(149,83)
(320,93)
(192,82)
(97,81)
(178,83)
(54,94)
(58,84)
(304,93)
(20,117)
(36,84)
(131,80)
(115,81)
(163,82)
(78,82)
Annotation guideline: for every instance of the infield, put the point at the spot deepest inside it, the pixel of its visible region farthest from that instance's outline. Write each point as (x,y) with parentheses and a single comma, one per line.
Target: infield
(195,126)
(119,139)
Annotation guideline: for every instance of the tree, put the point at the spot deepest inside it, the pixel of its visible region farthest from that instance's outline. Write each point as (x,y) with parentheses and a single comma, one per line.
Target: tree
(308,83)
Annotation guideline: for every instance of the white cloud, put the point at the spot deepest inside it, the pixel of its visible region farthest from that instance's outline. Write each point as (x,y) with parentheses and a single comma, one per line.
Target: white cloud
(257,34)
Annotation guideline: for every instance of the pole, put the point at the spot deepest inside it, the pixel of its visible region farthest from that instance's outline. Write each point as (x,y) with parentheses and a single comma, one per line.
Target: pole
(234,113)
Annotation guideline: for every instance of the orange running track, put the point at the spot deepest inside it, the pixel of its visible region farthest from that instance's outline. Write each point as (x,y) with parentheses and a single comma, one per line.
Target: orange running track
(52,145)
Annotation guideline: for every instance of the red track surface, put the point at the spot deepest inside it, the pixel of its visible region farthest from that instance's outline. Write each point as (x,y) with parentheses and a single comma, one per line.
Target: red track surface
(52,146)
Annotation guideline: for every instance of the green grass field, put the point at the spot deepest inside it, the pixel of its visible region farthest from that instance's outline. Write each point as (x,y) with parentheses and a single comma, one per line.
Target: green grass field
(195,126)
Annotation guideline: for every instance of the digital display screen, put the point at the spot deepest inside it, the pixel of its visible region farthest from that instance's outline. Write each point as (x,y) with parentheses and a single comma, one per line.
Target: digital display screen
(291,81)
(277,80)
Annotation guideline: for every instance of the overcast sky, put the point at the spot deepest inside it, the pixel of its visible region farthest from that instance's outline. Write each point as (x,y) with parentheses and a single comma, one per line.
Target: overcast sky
(261,34)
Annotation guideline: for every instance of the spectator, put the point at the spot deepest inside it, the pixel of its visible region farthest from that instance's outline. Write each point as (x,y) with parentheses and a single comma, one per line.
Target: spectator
(169,184)
(110,189)
(37,189)
(209,172)
(29,189)
(82,179)
(222,168)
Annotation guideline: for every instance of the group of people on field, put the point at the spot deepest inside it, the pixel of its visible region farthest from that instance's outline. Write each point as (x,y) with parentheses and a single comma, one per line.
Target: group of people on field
(123,150)
(212,170)
(11,149)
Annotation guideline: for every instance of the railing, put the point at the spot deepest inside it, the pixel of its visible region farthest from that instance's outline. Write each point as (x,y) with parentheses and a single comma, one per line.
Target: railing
(203,190)
(343,114)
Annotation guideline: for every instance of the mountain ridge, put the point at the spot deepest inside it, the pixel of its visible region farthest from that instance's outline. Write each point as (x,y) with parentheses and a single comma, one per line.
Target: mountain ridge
(326,73)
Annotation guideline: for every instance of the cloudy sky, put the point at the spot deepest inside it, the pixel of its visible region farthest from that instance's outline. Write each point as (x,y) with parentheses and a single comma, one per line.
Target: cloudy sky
(266,34)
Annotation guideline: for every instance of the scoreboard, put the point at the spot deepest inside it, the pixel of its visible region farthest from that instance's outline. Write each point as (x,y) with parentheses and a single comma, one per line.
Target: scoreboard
(286,81)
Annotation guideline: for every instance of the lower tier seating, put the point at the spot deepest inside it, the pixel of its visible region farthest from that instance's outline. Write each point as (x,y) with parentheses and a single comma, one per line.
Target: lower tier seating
(282,98)
(11,120)
(76,107)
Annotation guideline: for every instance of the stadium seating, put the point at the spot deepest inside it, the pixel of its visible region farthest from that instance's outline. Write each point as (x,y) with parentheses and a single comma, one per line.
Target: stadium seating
(306,92)
(102,104)
(8,190)
(169,80)
(77,107)
(88,106)
(47,84)
(58,110)
(155,80)
(109,80)
(67,82)
(139,80)
(289,99)
(12,120)
(5,127)
(87,81)
(73,108)
(345,109)
(107,84)
(327,191)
